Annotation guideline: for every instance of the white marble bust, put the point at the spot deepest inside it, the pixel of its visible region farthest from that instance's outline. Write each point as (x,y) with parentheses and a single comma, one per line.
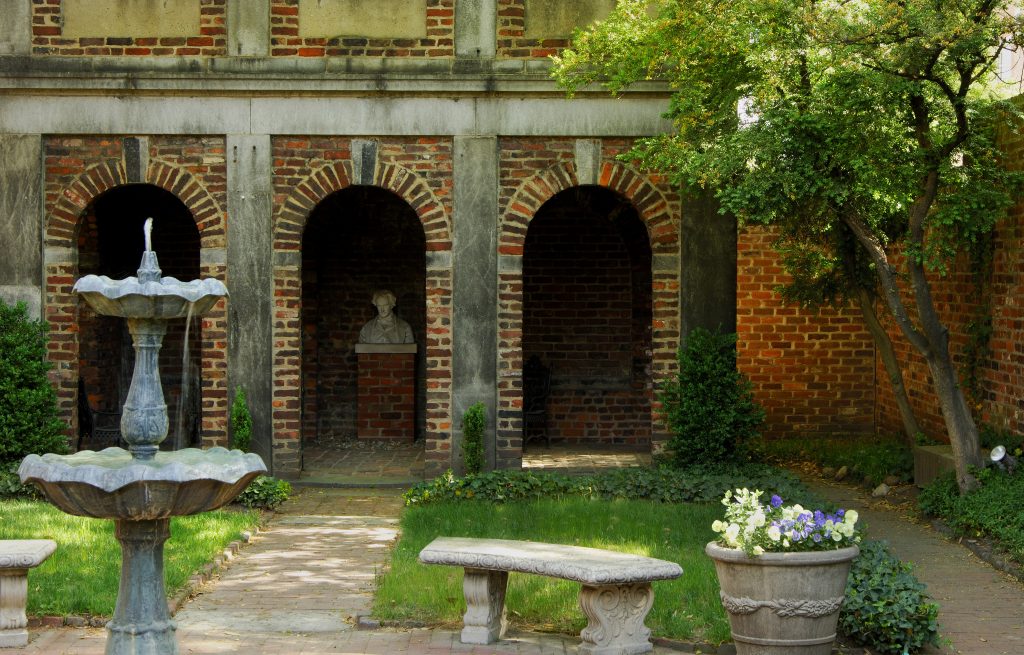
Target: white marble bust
(386,327)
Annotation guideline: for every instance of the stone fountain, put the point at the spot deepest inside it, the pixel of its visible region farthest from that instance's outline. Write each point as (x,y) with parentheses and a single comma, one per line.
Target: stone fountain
(142,487)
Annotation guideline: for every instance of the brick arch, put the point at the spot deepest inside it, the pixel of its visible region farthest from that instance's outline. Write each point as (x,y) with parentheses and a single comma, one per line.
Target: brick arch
(655,210)
(404,183)
(62,225)
(288,227)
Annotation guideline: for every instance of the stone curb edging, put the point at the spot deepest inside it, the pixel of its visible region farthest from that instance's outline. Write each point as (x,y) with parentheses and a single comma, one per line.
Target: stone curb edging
(175,602)
(982,547)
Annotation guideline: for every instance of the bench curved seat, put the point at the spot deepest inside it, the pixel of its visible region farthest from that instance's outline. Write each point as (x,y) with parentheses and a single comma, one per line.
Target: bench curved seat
(615,595)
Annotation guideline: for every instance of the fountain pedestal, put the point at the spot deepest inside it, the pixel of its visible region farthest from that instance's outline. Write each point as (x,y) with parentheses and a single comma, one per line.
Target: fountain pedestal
(142,623)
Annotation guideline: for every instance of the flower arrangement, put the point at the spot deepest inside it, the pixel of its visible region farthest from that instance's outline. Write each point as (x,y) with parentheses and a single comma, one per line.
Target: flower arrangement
(756,529)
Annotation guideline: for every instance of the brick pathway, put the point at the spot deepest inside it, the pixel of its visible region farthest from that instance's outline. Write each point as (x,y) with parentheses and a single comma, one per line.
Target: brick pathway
(981,609)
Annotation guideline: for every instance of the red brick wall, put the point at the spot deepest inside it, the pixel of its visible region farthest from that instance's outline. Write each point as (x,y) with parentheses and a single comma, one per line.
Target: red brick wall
(813,373)
(286,42)
(387,396)
(358,240)
(211,41)
(306,171)
(961,298)
(586,315)
(80,169)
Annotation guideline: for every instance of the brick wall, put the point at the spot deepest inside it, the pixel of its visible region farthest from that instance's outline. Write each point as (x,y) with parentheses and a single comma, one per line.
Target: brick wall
(586,315)
(78,170)
(211,41)
(306,171)
(962,298)
(532,172)
(286,42)
(387,396)
(814,373)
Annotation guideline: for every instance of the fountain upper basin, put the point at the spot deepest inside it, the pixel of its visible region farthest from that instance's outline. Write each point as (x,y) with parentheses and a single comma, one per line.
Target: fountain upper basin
(164,299)
(110,484)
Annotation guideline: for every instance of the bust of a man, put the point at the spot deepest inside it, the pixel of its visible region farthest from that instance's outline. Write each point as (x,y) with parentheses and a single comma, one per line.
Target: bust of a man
(386,327)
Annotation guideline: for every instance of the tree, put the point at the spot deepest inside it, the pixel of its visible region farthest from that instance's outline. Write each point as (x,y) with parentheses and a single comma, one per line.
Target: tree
(821,118)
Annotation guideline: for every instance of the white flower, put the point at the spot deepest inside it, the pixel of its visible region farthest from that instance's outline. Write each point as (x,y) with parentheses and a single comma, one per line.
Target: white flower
(851,517)
(756,519)
(718,526)
(731,533)
(774,533)
(758,550)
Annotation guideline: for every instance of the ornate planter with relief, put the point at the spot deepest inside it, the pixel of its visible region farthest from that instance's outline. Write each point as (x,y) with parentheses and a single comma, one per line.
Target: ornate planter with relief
(782,603)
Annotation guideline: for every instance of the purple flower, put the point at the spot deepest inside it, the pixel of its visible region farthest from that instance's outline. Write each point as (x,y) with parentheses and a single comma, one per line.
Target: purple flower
(776,501)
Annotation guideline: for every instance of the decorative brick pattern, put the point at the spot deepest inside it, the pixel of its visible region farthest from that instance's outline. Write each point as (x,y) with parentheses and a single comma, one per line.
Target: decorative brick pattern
(286,42)
(387,396)
(80,169)
(512,42)
(211,41)
(813,373)
(306,171)
(531,172)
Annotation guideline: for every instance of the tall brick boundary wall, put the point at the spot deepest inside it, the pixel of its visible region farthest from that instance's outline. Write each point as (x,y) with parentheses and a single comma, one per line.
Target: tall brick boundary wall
(77,171)
(959,300)
(531,172)
(813,372)
(306,171)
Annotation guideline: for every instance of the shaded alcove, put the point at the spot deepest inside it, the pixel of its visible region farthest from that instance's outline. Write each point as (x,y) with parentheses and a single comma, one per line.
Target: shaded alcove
(587,313)
(111,242)
(356,241)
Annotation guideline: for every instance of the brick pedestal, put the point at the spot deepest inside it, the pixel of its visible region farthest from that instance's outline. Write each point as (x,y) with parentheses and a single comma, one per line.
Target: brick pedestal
(387,391)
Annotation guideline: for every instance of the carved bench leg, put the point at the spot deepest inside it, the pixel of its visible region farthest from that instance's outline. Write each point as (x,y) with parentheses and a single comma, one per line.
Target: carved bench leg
(484,621)
(13,596)
(616,616)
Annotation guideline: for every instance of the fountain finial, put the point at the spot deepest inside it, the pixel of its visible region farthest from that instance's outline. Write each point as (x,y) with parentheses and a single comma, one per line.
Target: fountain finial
(149,269)
(148,230)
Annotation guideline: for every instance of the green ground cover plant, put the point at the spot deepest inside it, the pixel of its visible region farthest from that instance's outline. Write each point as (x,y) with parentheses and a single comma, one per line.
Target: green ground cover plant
(992,510)
(265,492)
(664,484)
(82,576)
(685,608)
(871,458)
(886,607)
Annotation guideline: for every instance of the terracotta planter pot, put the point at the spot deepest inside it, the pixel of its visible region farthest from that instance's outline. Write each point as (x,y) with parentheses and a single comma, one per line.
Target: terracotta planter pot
(782,603)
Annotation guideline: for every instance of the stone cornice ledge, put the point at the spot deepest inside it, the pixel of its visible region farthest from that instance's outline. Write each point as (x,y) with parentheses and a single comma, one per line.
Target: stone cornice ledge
(270,74)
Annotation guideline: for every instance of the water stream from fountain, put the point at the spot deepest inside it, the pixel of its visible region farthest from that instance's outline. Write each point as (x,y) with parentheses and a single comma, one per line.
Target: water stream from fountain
(185,397)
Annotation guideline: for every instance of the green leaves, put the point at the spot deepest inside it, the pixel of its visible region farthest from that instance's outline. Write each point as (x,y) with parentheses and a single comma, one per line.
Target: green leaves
(709,406)
(28,404)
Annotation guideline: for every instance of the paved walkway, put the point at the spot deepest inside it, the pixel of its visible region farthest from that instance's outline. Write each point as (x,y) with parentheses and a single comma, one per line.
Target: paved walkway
(301,585)
(981,609)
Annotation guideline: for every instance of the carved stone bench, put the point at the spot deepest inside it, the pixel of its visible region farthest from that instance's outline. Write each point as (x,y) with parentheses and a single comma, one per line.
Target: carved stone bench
(616,590)
(17,556)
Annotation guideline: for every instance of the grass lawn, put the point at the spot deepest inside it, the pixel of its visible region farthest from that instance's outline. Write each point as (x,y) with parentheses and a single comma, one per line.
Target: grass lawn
(685,608)
(82,576)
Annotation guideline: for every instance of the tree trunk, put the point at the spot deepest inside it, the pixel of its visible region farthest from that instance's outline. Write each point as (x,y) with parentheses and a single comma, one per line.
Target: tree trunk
(963,433)
(892,366)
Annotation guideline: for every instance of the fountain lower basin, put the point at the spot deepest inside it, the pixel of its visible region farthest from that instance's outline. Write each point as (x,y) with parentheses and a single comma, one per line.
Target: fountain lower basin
(111,484)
